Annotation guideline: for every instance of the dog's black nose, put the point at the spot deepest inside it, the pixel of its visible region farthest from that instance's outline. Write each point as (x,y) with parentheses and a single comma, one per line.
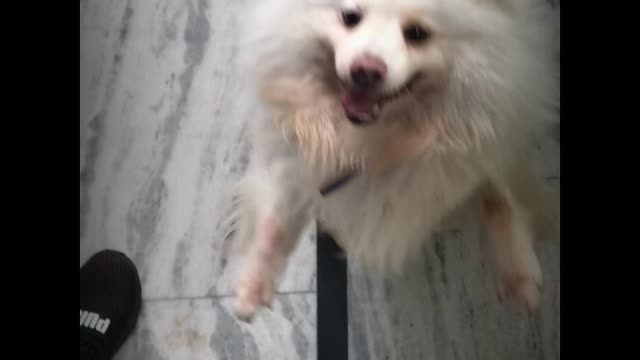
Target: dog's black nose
(367,72)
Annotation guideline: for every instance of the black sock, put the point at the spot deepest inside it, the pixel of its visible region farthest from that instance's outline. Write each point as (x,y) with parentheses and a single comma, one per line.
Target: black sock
(110,300)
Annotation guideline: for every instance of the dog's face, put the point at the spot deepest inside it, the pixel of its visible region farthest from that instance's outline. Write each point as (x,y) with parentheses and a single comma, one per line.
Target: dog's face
(387,59)
(383,52)
(456,71)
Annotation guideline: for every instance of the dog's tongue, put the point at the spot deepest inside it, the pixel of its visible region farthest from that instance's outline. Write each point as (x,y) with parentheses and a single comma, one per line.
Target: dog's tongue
(355,103)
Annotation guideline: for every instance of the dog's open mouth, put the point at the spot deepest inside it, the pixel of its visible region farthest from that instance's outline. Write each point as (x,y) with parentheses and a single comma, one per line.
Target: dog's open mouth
(362,108)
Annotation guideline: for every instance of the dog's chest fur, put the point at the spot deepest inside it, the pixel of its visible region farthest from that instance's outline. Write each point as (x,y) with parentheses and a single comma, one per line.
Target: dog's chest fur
(402,191)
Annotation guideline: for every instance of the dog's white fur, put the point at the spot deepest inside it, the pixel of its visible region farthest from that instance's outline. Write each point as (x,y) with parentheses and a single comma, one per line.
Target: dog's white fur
(462,134)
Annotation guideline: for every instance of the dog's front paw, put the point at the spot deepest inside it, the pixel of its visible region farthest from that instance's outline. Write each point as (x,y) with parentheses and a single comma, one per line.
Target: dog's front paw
(520,280)
(524,290)
(253,290)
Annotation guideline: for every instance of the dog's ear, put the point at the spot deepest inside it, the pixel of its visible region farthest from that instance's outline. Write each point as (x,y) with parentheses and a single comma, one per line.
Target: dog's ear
(327,3)
(504,5)
(508,5)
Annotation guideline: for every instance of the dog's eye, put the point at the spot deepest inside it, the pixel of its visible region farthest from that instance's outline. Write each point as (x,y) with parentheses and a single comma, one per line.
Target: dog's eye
(415,34)
(350,18)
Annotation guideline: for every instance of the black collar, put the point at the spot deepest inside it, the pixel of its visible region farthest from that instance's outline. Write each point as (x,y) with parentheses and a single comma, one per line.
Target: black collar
(336,184)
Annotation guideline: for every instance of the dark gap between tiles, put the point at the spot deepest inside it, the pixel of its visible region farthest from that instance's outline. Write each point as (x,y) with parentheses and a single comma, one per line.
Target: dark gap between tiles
(222,296)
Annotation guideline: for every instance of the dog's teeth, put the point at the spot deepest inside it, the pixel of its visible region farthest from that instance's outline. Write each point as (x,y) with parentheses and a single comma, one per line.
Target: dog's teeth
(376,109)
(364,117)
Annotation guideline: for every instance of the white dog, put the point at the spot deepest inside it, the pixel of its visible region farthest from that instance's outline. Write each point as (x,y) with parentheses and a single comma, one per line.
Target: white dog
(431,104)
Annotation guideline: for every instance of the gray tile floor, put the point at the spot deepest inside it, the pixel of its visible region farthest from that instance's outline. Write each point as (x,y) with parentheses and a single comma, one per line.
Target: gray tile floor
(163,125)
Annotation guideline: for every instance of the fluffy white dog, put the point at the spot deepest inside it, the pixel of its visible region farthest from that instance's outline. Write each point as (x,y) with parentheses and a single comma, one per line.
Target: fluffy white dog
(430,104)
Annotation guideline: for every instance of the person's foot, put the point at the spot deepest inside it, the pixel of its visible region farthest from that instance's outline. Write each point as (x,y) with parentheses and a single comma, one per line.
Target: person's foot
(110,299)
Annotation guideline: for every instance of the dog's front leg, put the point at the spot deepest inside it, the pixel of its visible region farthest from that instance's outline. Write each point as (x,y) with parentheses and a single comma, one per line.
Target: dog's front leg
(511,241)
(264,259)
(274,205)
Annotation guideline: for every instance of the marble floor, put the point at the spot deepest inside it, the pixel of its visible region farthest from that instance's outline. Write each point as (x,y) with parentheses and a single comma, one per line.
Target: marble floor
(162,138)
